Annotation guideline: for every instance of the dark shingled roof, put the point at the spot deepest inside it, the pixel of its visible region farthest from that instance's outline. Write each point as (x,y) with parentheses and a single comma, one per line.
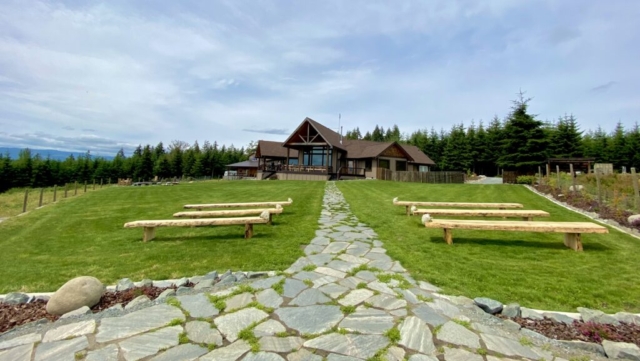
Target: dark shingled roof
(271,149)
(245,164)
(418,156)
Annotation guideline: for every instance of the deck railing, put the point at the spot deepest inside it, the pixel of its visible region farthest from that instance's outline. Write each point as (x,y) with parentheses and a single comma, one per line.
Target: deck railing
(296,168)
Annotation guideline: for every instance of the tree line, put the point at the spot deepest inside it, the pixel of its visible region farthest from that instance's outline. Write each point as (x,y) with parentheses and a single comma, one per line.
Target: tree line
(518,142)
(178,160)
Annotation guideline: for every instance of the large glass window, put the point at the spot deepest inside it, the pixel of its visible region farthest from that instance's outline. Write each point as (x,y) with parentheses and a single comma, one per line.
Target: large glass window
(367,165)
(401,165)
(384,163)
(424,168)
(316,156)
(293,161)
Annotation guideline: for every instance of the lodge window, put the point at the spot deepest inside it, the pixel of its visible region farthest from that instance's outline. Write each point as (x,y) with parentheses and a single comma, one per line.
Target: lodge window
(293,161)
(367,164)
(423,168)
(384,163)
(316,156)
(401,165)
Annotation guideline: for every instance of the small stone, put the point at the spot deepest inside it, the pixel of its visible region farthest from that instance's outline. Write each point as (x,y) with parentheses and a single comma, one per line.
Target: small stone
(252,275)
(16,298)
(621,350)
(181,282)
(165,294)
(183,290)
(77,292)
(137,302)
(531,314)
(146,283)
(428,286)
(84,310)
(558,317)
(205,283)
(511,310)
(628,318)
(124,284)
(597,316)
(488,305)
(240,276)
(211,275)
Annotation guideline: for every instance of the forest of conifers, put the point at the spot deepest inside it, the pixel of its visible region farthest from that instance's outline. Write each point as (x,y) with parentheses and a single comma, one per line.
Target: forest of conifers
(518,142)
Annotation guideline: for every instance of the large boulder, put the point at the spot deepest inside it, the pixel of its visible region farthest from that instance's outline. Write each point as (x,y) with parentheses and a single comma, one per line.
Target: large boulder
(78,292)
(634,219)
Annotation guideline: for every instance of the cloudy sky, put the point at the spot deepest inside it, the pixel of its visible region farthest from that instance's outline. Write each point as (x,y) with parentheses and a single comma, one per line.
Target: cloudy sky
(89,75)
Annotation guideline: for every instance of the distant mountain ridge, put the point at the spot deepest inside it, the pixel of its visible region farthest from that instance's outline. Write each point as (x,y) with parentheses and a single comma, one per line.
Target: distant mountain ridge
(51,153)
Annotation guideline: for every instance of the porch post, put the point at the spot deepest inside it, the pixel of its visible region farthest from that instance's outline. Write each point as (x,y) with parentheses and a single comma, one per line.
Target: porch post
(327,158)
(286,166)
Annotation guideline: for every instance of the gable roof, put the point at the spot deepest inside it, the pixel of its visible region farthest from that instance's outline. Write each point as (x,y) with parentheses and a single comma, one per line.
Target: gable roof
(331,137)
(271,149)
(418,156)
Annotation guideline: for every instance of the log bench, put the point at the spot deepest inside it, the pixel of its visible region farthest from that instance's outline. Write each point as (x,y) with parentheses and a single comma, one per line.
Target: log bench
(571,230)
(408,205)
(526,215)
(231,212)
(150,226)
(236,205)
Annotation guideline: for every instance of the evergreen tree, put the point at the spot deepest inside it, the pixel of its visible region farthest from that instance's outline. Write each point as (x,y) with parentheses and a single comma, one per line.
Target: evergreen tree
(6,173)
(163,168)
(146,164)
(566,139)
(378,134)
(457,152)
(367,136)
(618,147)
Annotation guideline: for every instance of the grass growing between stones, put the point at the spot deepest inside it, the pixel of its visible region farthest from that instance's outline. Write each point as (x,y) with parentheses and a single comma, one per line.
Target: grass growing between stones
(85,235)
(533,269)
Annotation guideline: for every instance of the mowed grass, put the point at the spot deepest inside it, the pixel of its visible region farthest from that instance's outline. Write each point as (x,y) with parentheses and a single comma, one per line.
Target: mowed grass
(85,236)
(533,269)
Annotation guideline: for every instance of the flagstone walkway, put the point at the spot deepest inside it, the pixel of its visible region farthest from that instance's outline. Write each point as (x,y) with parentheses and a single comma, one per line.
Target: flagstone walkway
(345,300)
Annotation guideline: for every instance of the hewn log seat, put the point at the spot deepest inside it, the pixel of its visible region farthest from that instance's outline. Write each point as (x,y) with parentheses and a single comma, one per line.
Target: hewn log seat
(231,213)
(572,230)
(150,226)
(236,205)
(526,215)
(408,205)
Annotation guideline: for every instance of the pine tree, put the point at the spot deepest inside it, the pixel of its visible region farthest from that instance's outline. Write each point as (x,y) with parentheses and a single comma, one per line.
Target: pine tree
(146,164)
(618,147)
(457,152)
(566,139)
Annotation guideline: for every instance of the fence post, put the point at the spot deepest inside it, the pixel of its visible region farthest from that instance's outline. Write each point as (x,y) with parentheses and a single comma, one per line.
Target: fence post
(55,192)
(75,192)
(559,186)
(94,184)
(85,186)
(26,196)
(109,181)
(598,185)
(101,183)
(539,175)
(634,179)
(40,201)
(573,177)
(65,189)
(548,171)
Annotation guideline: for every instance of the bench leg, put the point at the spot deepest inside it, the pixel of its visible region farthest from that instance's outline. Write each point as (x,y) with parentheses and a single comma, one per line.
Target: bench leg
(447,236)
(248,230)
(408,210)
(529,219)
(149,234)
(573,241)
(270,218)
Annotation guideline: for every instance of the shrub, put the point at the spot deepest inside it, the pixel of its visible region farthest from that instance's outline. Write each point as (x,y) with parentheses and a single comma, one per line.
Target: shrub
(526,179)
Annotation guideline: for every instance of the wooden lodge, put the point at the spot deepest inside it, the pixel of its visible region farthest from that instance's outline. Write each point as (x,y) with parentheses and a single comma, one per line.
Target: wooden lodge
(315,152)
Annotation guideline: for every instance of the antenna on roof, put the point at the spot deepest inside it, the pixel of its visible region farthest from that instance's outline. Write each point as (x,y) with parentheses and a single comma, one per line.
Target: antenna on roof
(340,126)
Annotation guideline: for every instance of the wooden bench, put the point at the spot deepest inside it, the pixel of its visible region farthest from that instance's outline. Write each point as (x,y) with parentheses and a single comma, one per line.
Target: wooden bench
(571,230)
(231,212)
(408,205)
(236,205)
(150,226)
(526,215)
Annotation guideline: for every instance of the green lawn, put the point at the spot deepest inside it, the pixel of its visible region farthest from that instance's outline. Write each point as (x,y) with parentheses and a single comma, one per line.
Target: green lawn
(85,236)
(533,269)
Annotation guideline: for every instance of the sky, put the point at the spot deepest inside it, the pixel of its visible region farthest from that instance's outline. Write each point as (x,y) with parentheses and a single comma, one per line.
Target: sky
(100,76)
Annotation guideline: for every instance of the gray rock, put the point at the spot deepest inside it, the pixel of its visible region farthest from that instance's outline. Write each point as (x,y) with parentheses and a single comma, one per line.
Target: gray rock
(429,315)
(186,352)
(238,301)
(124,284)
(230,325)
(227,279)
(508,347)
(321,241)
(149,344)
(20,340)
(202,332)
(228,353)
(320,259)
(628,318)
(488,305)
(558,317)
(211,275)
(146,283)
(310,319)
(70,331)
(583,346)
(198,305)
(208,283)
(303,355)
(456,334)
(336,357)
(131,324)
(356,297)
(181,282)
(511,310)
(280,344)
(18,353)
(621,350)
(310,297)
(293,287)
(367,276)
(266,283)
(409,296)
(342,266)
(240,276)
(395,354)
(531,314)
(137,302)
(336,247)
(313,249)
(165,294)
(331,272)
(597,316)
(15,298)
(333,290)
(360,346)
(183,290)
(84,310)
(263,356)
(415,335)
(61,350)
(419,357)
(456,354)
(534,335)
(445,307)
(107,353)
(306,275)
(368,321)
(324,280)
(77,292)
(269,298)
(298,265)
(353,259)
(387,302)
(381,287)
(268,328)
(252,275)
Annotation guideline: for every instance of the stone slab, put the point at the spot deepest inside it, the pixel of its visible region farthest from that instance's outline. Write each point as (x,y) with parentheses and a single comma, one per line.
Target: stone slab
(61,350)
(356,297)
(202,332)
(310,319)
(368,321)
(508,347)
(336,247)
(457,354)
(228,353)
(238,301)
(18,353)
(303,355)
(138,347)
(456,334)
(331,272)
(387,302)
(280,344)
(107,353)
(186,352)
(309,297)
(263,356)
(147,319)
(266,283)
(268,328)
(333,290)
(269,298)
(293,287)
(20,340)
(70,331)
(360,346)
(416,335)
(231,324)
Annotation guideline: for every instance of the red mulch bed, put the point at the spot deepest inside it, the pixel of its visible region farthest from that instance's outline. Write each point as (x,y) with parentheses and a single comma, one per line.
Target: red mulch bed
(15,315)
(582,331)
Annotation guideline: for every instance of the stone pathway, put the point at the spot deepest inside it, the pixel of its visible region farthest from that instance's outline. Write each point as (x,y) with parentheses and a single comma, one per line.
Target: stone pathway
(345,300)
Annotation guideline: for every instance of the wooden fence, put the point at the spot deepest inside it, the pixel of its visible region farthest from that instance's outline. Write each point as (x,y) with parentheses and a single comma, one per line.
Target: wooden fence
(509,177)
(421,177)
